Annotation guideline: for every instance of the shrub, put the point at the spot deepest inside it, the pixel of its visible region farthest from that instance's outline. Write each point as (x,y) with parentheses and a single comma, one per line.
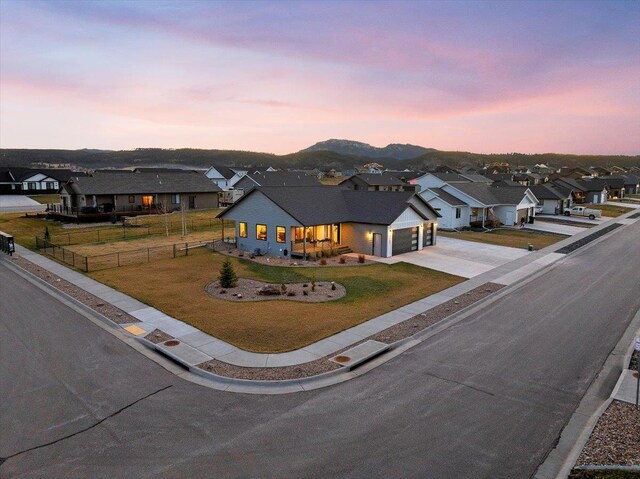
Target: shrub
(333,286)
(227,277)
(343,260)
(305,293)
(323,262)
(360,258)
(283,287)
(291,293)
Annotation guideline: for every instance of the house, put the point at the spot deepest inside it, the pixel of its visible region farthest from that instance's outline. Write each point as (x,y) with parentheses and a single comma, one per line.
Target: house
(274,178)
(616,186)
(553,200)
(599,171)
(376,182)
(136,193)
(478,203)
(28,181)
(303,221)
(631,183)
(405,175)
(586,190)
(454,212)
(371,168)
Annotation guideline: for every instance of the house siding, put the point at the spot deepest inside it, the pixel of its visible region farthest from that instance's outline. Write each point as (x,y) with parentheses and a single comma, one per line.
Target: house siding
(359,237)
(261,210)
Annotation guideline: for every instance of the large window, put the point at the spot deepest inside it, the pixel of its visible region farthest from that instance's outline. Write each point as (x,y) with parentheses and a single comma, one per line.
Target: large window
(261,232)
(458,212)
(147,201)
(242,230)
(281,234)
(175,199)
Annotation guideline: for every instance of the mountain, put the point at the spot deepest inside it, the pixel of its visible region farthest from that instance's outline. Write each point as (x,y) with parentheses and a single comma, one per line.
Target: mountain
(394,151)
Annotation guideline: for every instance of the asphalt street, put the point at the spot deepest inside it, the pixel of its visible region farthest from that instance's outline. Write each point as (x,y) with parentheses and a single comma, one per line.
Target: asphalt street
(486,398)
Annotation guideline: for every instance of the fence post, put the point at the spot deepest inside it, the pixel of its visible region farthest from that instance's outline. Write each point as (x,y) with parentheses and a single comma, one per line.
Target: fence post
(186,249)
(63,255)
(73,259)
(174,250)
(98,235)
(118,253)
(86,264)
(69,238)
(148,256)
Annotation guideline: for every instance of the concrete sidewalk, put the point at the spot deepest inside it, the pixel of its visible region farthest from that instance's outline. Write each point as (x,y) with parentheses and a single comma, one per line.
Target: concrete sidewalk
(198,346)
(557,228)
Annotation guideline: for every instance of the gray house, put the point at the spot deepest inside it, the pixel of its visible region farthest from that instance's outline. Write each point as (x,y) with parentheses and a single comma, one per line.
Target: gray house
(384,181)
(304,221)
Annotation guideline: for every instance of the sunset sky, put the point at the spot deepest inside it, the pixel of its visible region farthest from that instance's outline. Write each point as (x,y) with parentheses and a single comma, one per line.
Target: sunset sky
(277,77)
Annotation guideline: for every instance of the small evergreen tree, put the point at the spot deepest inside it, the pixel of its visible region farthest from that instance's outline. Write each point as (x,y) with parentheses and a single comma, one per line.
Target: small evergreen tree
(227,278)
(47,236)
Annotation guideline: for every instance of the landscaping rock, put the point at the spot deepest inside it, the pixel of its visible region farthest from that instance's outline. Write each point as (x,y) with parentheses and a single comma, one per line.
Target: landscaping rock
(269,290)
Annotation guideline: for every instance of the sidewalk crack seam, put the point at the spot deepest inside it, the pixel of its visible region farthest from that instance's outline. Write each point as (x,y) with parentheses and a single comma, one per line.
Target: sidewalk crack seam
(3,459)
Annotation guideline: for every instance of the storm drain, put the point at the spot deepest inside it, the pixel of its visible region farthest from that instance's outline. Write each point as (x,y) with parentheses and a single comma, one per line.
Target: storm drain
(635,215)
(588,239)
(360,353)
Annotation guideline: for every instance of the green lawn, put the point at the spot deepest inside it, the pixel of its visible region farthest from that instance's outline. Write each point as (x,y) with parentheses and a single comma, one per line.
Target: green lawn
(609,210)
(506,237)
(46,199)
(177,287)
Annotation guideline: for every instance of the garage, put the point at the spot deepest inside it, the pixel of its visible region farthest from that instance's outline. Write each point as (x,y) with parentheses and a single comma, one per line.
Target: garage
(428,234)
(404,241)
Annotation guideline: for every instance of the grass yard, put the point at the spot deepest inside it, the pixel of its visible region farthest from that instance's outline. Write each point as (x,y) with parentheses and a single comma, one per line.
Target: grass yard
(24,230)
(609,210)
(46,199)
(176,286)
(506,237)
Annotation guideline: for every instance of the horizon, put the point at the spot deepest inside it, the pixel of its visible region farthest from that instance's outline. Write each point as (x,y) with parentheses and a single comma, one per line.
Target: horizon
(490,77)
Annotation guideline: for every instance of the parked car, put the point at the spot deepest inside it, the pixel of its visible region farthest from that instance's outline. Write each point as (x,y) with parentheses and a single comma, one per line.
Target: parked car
(539,209)
(583,211)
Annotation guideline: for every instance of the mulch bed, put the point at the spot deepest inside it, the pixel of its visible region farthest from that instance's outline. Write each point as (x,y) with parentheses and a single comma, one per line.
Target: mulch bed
(157,336)
(616,438)
(421,321)
(247,289)
(635,358)
(114,314)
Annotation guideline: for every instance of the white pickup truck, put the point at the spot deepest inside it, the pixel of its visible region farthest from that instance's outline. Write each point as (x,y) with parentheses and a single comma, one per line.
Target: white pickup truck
(582,211)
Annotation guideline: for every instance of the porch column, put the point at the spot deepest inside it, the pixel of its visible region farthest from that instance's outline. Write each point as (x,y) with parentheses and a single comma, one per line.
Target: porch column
(484,215)
(304,243)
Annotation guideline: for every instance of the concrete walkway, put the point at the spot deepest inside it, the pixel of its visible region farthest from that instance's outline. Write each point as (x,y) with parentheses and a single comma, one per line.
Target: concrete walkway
(198,347)
(624,205)
(558,228)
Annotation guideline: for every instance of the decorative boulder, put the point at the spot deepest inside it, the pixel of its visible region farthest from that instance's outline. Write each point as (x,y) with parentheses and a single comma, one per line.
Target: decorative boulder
(269,290)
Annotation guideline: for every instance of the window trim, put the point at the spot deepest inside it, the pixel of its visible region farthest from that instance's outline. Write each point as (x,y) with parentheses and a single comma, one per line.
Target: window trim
(246,231)
(266,232)
(284,229)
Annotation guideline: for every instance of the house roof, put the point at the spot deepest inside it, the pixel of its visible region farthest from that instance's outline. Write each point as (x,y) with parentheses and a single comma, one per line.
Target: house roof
(451,177)
(547,192)
(614,181)
(142,183)
(281,178)
(226,172)
(377,179)
(493,195)
(448,197)
(21,173)
(405,175)
(316,205)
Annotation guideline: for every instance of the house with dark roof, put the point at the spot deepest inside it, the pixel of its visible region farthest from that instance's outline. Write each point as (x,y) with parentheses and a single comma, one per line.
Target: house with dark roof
(552,200)
(631,183)
(274,178)
(225,177)
(615,186)
(29,181)
(586,190)
(305,221)
(384,181)
(484,203)
(136,193)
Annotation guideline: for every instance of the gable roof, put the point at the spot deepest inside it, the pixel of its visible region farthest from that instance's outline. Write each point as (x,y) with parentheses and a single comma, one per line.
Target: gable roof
(547,192)
(447,197)
(493,195)
(316,205)
(226,172)
(376,179)
(142,183)
(281,178)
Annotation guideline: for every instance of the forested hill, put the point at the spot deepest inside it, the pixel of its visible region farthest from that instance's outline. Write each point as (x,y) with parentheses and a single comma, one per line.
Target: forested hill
(196,158)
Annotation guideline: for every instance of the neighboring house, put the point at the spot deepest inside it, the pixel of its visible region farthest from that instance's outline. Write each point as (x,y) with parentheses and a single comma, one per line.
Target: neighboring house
(553,200)
(436,180)
(631,184)
(28,181)
(376,182)
(586,190)
(406,175)
(371,168)
(306,220)
(599,171)
(136,193)
(220,175)
(274,178)
(615,185)
(454,212)
(486,203)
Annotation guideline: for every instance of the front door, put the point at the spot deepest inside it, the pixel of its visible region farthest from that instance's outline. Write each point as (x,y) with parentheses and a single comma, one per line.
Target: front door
(377,244)
(192,202)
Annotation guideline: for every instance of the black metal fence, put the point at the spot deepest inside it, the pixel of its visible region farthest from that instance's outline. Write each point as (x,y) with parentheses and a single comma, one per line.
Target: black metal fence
(119,258)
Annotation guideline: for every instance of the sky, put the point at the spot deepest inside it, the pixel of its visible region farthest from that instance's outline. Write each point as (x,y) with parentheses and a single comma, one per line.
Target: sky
(487,77)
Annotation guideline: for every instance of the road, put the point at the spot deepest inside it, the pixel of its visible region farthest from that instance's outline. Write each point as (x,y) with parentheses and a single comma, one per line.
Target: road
(486,398)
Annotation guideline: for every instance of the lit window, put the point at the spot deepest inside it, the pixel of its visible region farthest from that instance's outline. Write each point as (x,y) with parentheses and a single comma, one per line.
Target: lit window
(242,230)
(261,232)
(147,201)
(281,234)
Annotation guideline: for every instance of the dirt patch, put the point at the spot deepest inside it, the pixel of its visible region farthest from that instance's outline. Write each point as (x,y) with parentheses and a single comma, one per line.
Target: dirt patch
(421,321)
(615,439)
(158,336)
(249,290)
(114,314)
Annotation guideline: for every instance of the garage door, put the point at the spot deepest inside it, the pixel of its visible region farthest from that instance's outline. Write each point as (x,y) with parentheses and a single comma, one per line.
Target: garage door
(404,240)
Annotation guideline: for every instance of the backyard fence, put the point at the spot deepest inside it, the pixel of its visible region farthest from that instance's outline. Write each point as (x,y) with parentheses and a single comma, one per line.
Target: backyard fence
(132,229)
(120,258)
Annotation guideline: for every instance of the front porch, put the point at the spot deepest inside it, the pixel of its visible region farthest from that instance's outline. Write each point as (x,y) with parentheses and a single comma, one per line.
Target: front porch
(316,241)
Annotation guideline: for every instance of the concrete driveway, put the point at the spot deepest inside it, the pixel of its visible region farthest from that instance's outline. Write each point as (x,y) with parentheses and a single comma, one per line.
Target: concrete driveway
(459,257)
(558,228)
(19,204)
